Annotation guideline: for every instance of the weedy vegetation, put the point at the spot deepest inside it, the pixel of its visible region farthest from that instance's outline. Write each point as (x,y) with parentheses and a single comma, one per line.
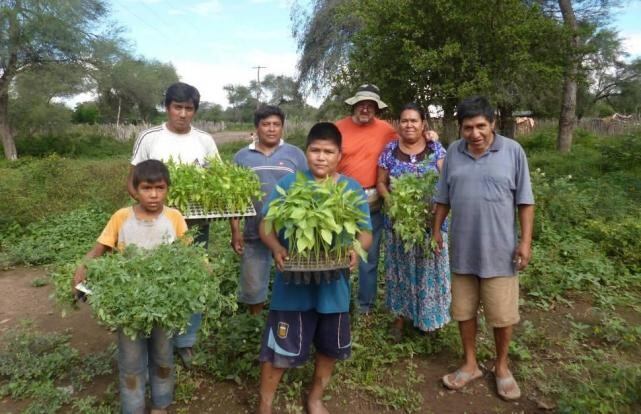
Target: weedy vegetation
(576,349)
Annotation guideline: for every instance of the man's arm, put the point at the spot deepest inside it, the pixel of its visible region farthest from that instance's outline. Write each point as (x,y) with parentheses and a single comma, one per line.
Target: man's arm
(237,242)
(523,251)
(130,183)
(442,210)
(271,241)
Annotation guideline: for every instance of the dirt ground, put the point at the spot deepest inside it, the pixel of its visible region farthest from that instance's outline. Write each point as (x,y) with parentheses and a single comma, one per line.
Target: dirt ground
(20,300)
(224,137)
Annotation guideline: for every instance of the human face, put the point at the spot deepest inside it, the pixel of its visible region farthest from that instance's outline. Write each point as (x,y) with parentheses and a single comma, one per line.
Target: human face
(270,131)
(151,196)
(323,157)
(411,126)
(364,112)
(478,132)
(179,116)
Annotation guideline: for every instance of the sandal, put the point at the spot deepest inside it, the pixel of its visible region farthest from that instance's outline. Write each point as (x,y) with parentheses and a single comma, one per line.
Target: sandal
(461,379)
(502,384)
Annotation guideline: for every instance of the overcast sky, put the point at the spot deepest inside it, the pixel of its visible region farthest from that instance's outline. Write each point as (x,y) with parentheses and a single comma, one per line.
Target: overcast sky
(216,42)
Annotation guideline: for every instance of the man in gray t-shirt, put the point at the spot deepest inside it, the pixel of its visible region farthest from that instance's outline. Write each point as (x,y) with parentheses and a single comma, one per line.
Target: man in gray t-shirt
(485,181)
(271,159)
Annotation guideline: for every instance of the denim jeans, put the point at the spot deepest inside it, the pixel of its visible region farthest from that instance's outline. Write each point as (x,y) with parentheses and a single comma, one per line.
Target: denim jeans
(143,358)
(255,268)
(368,271)
(188,339)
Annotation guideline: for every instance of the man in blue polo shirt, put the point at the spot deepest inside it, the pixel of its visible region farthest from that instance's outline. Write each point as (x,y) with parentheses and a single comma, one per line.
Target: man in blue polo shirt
(485,180)
(301,315)
(271,159)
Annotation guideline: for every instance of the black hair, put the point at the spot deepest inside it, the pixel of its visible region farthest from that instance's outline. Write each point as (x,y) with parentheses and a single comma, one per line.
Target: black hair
(413,107)
(182,92)
(473,107)
(266,111)
(150,171)
(325,131)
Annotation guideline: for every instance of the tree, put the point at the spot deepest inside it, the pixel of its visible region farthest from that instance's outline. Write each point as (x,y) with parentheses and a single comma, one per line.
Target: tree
(435,52)
(34,33)
(242,102)
(132,88)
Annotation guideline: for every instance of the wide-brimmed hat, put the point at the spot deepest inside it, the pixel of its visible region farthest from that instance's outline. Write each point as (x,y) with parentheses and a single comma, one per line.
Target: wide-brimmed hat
(367,92)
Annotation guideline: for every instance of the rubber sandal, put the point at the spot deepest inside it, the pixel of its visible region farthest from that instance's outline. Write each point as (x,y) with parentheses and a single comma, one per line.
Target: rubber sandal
(508,382)
(461,379)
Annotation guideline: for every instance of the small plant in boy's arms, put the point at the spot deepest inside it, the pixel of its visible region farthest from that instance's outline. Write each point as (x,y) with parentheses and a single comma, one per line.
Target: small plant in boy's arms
(319,219)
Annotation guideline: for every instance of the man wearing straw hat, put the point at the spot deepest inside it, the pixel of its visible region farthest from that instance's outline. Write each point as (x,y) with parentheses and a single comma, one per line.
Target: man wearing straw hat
(364,137)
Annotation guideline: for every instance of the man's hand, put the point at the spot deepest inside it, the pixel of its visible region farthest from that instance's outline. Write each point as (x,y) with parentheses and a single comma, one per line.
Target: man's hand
(522,255)
(237,242)
(437,240)
(430,135)
(353,260)
(280,256)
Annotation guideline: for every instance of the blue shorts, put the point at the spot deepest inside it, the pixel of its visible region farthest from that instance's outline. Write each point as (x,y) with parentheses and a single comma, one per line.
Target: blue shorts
(289,335)
(255,267)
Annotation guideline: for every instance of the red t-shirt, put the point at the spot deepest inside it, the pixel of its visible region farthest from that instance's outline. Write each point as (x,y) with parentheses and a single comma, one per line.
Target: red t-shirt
(362,145)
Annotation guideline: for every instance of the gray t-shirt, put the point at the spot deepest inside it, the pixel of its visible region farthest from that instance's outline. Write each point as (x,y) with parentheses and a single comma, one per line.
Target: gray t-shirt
(285,159)
(483,195)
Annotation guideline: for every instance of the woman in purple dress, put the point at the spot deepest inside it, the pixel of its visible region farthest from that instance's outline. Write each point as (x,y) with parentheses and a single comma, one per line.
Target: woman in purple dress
(418,280)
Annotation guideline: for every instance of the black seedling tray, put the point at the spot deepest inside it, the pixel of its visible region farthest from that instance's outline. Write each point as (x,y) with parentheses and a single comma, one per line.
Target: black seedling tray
(305,270)
(195,211)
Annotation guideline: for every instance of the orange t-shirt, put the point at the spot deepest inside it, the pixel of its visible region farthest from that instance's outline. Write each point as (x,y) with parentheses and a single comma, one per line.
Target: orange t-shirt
(362,145)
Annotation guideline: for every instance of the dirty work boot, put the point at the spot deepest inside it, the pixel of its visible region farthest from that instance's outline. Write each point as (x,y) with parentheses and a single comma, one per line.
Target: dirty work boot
(186,355)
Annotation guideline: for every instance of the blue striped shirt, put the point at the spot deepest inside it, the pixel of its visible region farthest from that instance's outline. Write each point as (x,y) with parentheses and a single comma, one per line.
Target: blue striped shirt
(285,159)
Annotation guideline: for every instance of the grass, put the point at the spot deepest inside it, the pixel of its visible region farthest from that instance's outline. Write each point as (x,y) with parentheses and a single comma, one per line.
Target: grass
(577,348)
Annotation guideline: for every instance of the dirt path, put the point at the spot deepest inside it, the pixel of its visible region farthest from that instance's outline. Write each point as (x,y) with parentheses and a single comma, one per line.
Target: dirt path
(224,137)
(21,301)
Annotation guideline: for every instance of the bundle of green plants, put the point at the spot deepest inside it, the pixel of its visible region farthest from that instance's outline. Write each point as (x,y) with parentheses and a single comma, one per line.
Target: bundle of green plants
(410,207)
(221,186)
(139,289)
(319,219)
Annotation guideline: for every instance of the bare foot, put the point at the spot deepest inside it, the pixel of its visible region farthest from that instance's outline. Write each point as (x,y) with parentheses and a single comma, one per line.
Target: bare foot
(264,408)
(316,407)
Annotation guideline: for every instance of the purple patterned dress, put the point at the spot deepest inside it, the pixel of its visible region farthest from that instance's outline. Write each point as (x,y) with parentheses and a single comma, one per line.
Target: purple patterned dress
(417,282)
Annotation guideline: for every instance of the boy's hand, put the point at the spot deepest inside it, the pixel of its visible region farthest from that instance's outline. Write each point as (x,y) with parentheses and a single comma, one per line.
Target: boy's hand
(237,242)
(78,277)
(280,256)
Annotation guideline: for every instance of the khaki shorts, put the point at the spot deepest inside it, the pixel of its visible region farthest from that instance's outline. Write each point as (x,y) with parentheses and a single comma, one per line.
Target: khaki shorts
(499,295)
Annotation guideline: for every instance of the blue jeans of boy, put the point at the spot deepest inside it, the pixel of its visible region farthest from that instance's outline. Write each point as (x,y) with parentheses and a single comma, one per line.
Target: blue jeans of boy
(153,357)
(368,271)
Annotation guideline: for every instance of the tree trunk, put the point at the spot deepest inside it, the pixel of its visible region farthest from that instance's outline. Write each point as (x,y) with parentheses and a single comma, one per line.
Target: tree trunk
(450,127)
(6,134)
(567,118)
(507,124)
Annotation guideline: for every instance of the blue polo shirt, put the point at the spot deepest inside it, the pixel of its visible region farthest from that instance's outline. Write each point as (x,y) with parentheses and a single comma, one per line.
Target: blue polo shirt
(483,194)
(284,160)
(332,297)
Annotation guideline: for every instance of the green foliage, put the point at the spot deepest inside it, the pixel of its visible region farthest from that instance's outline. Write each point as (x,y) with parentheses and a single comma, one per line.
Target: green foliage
(86,113)
(58,239)
(222,186)
(319,219)
(138,290)
(72,145)
(410,207)
(33,189)
(44,368)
